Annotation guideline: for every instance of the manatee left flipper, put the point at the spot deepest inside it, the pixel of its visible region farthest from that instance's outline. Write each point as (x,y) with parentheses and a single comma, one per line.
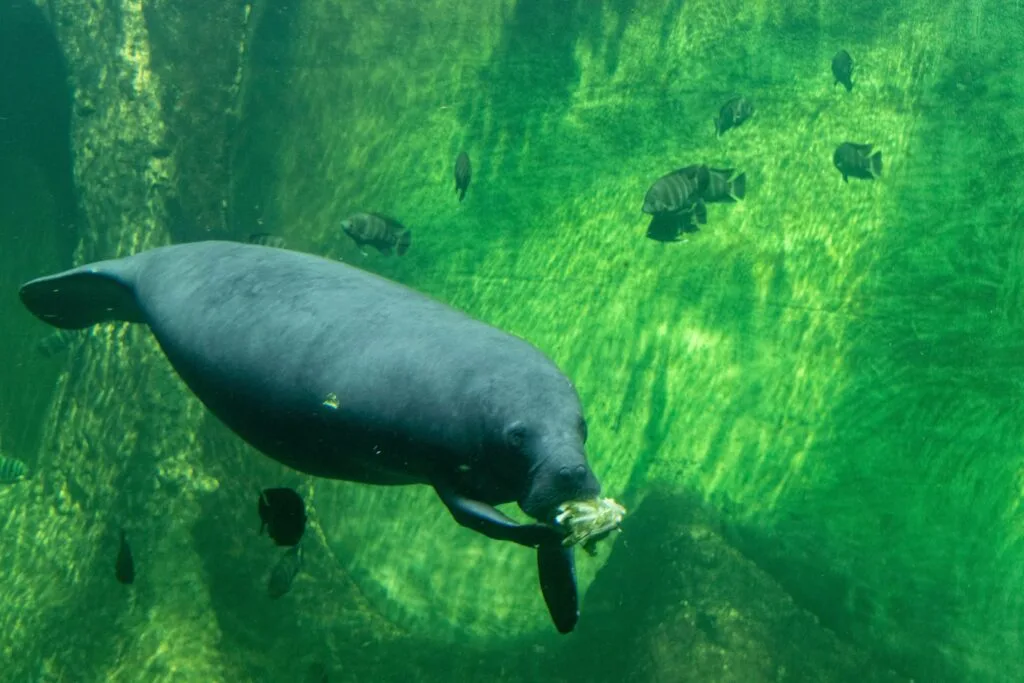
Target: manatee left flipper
(557,569)
(492,523)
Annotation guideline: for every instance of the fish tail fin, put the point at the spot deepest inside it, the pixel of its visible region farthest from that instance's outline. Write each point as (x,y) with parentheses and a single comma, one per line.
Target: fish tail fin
(81,297)
(849,86)
(739,186)
(404,241)
(461,192)
(700,212)
(876,163)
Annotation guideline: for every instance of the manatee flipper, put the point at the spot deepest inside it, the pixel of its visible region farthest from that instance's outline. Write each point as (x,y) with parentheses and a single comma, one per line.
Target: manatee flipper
(493,523)
(557,569)
(84,296)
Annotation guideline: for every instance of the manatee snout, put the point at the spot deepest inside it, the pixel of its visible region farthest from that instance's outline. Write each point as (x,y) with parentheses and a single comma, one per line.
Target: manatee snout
(558,483)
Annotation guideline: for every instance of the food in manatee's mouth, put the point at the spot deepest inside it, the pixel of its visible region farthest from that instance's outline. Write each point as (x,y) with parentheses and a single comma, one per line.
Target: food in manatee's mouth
(588,521)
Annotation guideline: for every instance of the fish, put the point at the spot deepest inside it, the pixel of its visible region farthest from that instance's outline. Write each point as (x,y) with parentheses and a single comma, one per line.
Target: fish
(124,568)
(463,174)
(57,342)
(267,240)
(12,470)
(665,227)
(680,191)
(724,185)
(379,231)
(842,69)
(284,572)
(282,514)
(857,160)
(732,114)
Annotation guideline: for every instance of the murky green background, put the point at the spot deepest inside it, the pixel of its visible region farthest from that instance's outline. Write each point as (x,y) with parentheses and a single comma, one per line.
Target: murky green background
(835,369)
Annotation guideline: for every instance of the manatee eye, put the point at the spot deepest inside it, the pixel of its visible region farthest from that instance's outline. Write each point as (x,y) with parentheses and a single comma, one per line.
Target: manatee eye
(515,435)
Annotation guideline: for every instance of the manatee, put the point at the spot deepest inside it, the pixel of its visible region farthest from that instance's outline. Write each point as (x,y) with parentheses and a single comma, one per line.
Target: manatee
(339,373)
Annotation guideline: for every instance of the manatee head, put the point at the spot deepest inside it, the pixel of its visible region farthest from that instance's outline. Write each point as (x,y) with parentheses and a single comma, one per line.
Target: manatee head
(553,448)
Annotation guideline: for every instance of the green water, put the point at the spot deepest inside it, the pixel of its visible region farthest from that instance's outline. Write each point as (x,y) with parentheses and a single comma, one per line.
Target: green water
(820,390)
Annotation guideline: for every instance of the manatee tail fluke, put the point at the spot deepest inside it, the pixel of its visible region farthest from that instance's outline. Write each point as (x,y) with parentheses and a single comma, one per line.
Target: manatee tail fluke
(876,163)
(739,186)
(404,241)
(556,566)
(82,297)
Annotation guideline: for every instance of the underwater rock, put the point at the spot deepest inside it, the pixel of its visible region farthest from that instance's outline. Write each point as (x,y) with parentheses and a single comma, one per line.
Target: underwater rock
(676,602)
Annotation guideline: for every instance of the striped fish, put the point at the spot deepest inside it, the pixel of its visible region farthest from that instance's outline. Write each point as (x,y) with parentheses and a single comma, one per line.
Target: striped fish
(12,470)
(379,231)
(265,239)
(680,191)
(733,113)
(725,185)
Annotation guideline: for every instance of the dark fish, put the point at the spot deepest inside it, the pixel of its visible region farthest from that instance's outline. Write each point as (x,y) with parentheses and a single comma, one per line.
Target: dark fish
(733,113)
(283,515)
(858,161)
(842,69)
(284,572)
(267,240)
(125,567)
(680,191)
(56,342)
(378,231)
(463,174)
(12,470)
(666,227)
(724,185)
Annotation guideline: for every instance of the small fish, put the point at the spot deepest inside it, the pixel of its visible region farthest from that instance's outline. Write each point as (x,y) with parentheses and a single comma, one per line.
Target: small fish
(665,227)
(857,160)
(57,342)
(732,114)
(463,174)
(724,185)
(680,191)
(267,240)
(842,69)
(284,572)
(283,515)
(379,231)
(124,569)
(12,470)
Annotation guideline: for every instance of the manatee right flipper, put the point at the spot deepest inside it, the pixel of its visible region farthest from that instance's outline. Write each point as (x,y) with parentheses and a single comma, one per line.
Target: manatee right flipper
(556,566)
(84,296)
(491,522)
